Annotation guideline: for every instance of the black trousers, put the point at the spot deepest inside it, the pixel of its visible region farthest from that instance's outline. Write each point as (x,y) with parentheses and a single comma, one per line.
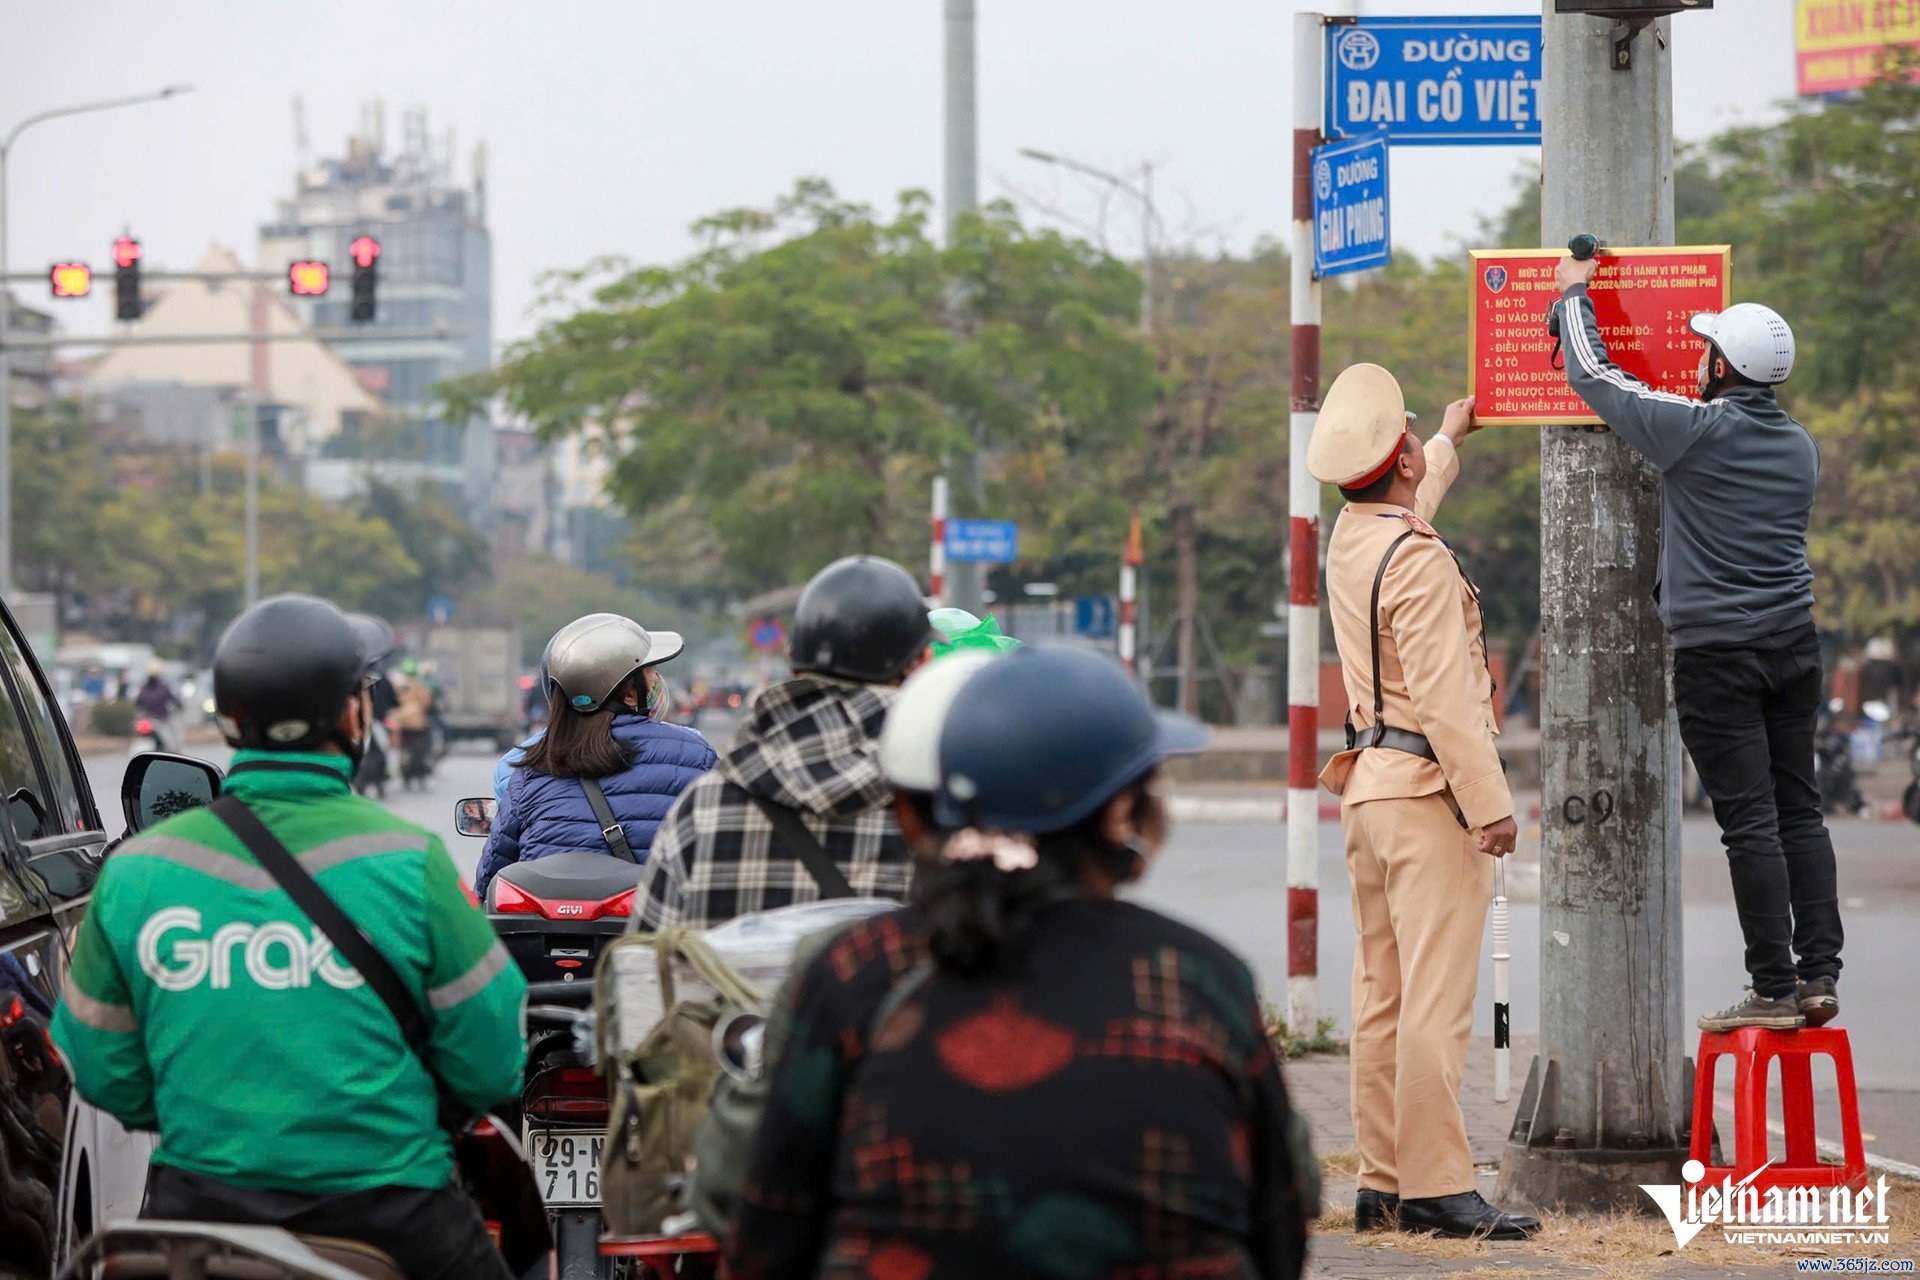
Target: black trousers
(433,1235)
(1747,714)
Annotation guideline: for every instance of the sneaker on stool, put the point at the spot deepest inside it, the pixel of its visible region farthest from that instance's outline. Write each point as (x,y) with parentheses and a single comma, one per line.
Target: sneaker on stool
(1374,1210)
(1465,1216)
(1819,1002)
(1775,1013)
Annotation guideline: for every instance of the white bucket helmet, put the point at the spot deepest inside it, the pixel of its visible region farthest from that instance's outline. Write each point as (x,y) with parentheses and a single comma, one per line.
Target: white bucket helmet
(590,658)
(1753,339)
(910,741)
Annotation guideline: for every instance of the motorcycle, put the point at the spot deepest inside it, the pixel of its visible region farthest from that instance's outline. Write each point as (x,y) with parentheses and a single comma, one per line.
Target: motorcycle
(555,916)
(1909,735)
(1833,770)
(373,772)
(489,1164)
(415,747)
(150,734)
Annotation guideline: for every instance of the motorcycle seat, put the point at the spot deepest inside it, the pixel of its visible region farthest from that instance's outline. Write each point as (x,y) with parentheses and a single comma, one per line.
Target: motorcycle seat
(362,1259)
(575,877)
(153,1264)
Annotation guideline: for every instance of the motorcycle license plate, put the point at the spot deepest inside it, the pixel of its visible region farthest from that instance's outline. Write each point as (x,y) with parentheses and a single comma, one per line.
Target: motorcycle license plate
(567,1163)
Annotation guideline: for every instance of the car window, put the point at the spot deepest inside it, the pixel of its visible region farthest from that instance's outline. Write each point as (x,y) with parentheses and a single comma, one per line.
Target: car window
(38,807)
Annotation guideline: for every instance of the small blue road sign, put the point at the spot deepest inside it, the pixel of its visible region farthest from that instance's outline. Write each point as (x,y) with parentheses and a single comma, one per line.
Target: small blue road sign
(1095,617)
(1351,229)
(983,541)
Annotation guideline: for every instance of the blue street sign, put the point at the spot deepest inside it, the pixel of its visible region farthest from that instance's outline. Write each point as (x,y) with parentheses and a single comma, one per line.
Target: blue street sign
(440,610)
(768,635)
(1472,81)
(983,541)
(1351,230)
(1095,617)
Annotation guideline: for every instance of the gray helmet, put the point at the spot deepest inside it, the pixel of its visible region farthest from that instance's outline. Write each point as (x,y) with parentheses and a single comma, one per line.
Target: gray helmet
(590,658)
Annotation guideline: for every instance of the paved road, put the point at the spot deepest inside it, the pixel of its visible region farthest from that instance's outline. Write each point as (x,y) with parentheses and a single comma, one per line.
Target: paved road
(1231,880)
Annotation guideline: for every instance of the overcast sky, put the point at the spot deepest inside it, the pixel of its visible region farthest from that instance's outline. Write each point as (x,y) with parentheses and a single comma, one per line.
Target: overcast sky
(613,124)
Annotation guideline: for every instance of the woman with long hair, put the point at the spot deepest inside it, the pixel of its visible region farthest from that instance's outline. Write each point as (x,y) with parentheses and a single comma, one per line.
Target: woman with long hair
(604,734)
(1019,1073)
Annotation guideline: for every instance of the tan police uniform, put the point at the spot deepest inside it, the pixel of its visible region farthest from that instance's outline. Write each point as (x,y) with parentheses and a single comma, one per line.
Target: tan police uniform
(1420,887)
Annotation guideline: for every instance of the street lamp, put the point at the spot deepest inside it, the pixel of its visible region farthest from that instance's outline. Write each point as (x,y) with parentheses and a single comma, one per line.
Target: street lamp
(1149,216)
(6,307)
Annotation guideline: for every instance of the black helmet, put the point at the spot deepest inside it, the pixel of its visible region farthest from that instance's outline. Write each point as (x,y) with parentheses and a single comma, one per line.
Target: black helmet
(861,618)
(377,641)
(283,672)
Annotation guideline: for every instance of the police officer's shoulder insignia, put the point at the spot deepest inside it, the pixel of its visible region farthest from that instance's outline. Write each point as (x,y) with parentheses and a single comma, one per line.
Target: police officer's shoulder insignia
(1420,526)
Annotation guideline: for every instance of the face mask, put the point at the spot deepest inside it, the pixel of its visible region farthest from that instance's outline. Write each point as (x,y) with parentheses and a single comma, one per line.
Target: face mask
(656,696)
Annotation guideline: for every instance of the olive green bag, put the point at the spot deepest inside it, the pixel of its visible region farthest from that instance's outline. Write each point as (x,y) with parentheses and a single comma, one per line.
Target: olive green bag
(660,1089)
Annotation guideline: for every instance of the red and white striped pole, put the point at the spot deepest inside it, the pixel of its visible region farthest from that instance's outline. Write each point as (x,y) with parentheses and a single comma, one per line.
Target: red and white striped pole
(1303,559)
(1130,561)
(937,553)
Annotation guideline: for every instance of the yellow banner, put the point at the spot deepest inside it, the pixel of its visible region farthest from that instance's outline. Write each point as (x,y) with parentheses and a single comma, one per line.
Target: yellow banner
(1833,26)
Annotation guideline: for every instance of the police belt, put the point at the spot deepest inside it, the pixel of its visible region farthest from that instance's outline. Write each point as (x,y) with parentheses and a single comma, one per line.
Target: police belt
(1414,744)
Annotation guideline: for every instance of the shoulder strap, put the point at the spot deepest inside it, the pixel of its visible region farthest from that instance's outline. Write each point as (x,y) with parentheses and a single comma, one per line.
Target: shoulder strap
(902,991)
(800,843)
(1373,625)
(616,835)
(348,942)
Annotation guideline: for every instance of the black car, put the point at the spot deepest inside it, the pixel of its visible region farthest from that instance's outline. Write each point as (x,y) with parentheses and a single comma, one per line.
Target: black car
(51,844)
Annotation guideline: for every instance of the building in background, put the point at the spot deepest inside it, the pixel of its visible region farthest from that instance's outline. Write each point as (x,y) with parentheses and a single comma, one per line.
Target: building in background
(435,302)
(31,371)
(188,395)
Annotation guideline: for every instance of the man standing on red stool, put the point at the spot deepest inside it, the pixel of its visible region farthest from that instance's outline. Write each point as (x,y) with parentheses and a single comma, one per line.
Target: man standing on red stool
(1737,479)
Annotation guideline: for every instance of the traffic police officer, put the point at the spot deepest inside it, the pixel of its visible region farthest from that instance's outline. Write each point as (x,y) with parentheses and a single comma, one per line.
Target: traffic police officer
(1423,802)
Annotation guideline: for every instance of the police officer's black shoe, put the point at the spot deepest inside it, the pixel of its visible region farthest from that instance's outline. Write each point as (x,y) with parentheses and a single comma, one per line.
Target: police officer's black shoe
(1374,1210)
(1465,1216)
(1819,1002)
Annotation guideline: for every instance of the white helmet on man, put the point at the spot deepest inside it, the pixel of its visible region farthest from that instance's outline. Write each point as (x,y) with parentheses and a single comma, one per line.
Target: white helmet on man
(1754,339)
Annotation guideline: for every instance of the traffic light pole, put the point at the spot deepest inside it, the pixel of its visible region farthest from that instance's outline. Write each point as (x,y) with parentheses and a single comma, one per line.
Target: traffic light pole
(1607,1105)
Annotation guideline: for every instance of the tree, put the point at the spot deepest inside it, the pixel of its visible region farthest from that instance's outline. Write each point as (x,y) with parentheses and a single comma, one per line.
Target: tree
(1865,540)
(793,387)
(451,556)
(1823,209)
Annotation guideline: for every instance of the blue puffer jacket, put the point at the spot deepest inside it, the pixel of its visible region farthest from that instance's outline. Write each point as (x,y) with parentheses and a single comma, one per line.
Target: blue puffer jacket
(541,814)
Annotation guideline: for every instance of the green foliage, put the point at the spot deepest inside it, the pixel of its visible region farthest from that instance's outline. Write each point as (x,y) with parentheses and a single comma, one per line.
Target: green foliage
(449,555)
(111,718)
(792,388)
(1823,211)
(539,596)
(1865,543)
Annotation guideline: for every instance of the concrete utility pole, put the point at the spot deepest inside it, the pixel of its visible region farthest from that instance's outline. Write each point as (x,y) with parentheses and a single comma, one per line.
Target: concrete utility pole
(1607,1105)
(966,582)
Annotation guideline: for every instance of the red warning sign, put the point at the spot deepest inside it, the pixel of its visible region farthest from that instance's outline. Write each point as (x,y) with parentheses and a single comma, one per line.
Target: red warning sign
(1643,298)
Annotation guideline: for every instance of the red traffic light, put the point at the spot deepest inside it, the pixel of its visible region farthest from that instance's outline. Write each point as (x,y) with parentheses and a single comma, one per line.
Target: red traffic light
(364,251)
(71,279)
(126,251)
(307,279)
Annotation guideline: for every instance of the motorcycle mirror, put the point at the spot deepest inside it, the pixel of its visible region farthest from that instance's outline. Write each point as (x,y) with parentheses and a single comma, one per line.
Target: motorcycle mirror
(1877,711)
(738,1042)
(474,816)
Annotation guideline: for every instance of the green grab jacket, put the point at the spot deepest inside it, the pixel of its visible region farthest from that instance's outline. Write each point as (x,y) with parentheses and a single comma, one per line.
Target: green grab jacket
(201,1003)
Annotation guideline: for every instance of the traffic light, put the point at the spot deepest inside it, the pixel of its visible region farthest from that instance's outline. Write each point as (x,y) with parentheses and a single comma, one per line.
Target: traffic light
(307,279)
(71,279)
(365,252)
(126,279)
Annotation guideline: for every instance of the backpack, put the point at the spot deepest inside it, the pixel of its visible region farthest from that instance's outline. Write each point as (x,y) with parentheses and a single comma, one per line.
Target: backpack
(660,1087)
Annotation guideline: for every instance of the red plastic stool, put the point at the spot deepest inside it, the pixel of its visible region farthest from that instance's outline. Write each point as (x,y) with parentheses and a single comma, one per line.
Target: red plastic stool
(1751,1050)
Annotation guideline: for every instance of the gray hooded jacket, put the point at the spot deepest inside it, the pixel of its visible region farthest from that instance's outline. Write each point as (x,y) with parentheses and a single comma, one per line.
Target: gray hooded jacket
(1737,477)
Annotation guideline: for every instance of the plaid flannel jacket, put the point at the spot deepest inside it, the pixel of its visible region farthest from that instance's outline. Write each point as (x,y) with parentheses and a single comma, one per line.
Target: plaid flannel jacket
(811,744)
